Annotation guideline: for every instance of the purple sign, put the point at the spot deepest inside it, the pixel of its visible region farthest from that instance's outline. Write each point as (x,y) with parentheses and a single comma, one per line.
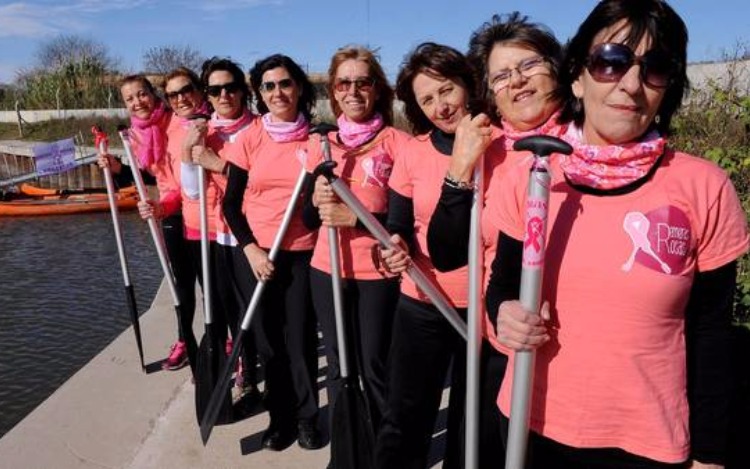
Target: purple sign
(56,157)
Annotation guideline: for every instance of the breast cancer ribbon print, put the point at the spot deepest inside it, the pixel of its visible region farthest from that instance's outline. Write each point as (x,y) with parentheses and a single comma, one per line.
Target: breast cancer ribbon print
(534,236)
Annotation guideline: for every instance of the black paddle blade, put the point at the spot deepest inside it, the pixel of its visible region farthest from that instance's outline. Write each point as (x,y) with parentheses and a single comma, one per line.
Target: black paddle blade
(210,358)
(135,322)
(216,402)
(352,437)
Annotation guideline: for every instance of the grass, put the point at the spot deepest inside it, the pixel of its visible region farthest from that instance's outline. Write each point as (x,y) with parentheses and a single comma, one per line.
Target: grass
(58,129)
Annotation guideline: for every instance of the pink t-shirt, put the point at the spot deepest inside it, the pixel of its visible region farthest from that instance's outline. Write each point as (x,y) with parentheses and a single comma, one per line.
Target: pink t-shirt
(273,170)
(618,274)
(418,174)
(365,171)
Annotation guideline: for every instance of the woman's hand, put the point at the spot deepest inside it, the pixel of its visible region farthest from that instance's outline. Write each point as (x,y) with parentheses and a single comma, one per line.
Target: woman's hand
(105,160)
(473,136)
(323,193)
(395,260)
(519,329)
(150,209)
(336,214)
(259,262)
(206,157)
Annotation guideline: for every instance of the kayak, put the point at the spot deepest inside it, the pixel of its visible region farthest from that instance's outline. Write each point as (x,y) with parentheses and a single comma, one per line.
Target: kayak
(63,204)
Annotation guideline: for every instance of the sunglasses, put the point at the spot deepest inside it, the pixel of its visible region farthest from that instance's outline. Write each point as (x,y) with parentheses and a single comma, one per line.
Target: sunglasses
(363,84)
(173,95)
(215,90)
(609,62)
(526,68)
(283,84)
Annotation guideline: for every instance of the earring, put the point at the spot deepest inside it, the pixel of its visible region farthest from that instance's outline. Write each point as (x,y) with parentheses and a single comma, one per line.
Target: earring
(657,119)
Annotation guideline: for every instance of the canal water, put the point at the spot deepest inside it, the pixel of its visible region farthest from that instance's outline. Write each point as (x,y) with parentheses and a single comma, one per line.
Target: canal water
(62,299)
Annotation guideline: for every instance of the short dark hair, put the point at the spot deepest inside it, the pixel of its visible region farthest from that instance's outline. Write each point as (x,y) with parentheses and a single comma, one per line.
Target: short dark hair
(215,64)
(186,73)
(384,102)
(435,60)
(511,29)
(306,102)
(644,18)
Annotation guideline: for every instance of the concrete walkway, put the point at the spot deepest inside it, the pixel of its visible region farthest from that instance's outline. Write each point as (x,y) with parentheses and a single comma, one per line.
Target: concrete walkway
(110,415)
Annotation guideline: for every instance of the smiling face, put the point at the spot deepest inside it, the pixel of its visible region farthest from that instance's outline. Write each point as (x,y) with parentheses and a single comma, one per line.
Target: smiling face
(283,99)
(139,101)
(356,103)
(228,105)
(617,112)
(442,100)
(525,103)
(184,98)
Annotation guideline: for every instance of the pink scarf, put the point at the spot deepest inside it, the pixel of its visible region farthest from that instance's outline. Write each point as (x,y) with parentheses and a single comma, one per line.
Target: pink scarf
(227,127)
(550,127)
(611,166)
(286,131)
(150,136)
(355,134)
(185,121)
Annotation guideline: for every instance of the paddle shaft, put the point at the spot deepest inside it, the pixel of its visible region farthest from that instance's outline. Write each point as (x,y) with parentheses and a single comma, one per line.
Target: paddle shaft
(205,247)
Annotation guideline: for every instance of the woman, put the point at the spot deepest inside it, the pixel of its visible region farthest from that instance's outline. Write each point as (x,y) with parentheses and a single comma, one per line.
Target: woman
(209,144)
(365,149)
(516,63)
(262,177)
(636,327)
(436,85)
(151,121)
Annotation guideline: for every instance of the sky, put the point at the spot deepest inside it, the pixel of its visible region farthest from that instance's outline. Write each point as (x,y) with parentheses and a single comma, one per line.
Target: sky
(310,31)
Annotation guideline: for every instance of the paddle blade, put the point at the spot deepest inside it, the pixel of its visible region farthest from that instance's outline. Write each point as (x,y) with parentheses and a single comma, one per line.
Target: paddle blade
(217,400)
(352,438)
(135,322)
(209,360)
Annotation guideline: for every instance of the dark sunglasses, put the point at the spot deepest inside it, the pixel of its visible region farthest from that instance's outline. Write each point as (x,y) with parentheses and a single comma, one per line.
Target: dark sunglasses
(283,84)
(215,90)
(173,95)
(345,84)
(609,62)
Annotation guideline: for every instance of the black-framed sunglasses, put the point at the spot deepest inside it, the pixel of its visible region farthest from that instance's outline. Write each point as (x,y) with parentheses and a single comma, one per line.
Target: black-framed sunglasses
(283,84)
(215,90)
(609,62)
(363,84)
(173,95)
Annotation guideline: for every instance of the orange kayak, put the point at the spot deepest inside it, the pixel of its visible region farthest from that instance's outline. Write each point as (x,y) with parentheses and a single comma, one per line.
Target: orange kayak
(63,204)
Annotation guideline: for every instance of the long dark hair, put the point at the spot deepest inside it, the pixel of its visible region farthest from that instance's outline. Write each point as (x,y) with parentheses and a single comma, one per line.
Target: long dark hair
(307,96)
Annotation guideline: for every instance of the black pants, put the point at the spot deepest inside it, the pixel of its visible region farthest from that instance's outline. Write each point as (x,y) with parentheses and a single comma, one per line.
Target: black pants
(424,344)
(492,370)
(185,274)
(544,453)
(285,334)
(369,306)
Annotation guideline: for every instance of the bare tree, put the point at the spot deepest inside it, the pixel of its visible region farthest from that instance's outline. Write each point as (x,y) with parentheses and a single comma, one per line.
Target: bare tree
(163,59)
(67,49)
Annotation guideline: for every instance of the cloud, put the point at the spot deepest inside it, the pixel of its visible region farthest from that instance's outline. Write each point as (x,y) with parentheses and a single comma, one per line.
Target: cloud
(218,6)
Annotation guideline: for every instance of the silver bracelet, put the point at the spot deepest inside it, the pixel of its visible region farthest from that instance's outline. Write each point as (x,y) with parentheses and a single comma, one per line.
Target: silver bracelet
(454,183)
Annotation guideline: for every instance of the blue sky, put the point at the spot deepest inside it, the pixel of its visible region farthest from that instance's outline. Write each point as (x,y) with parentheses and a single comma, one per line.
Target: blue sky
(309,31)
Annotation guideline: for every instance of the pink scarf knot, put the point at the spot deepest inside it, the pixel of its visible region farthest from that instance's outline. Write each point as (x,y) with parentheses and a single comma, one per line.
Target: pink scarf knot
(609,166)
(286,131)
(355,134)
(226,127)
(549,127)
(152,143)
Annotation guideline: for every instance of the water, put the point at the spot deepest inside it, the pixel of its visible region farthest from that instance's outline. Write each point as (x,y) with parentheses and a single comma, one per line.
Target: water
(62,299)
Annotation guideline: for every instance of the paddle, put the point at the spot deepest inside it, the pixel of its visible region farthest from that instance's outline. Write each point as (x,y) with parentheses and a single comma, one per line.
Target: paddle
(211,354)
(156,234)
(211,413)
(102,141)
(352,435)
(531,287)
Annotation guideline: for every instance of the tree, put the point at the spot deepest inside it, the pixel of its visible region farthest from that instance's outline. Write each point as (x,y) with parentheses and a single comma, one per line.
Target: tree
(66,49)
(164,59)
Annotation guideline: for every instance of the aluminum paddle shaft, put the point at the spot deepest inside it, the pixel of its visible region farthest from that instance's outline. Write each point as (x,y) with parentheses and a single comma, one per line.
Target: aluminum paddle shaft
(532,271)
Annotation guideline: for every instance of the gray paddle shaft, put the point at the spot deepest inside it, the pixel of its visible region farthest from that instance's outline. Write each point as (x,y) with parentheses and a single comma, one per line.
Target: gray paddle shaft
(153,226)
(205,248)
(116,221)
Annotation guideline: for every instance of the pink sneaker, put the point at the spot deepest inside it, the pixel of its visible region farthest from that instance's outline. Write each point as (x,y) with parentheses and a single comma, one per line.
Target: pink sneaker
(177,357)
(228,346)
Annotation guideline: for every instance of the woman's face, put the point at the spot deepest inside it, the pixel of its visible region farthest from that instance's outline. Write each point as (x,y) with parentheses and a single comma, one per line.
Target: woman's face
(184,98)
(620,111)
(224,94)
(281,94)
(354,90)
(442,100)
(139,101)
(522,83)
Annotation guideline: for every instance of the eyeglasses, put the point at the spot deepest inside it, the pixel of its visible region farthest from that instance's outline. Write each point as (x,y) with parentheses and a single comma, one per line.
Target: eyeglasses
(173,95)
(283,84)
(363,84)
(527,68)
(609,62)
(215,90)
